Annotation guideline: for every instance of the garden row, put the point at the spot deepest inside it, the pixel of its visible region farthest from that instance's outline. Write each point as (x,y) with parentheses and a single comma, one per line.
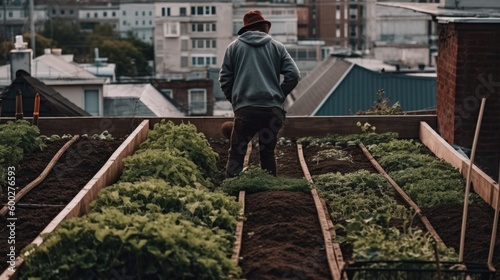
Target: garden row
(373,225)
(162,219)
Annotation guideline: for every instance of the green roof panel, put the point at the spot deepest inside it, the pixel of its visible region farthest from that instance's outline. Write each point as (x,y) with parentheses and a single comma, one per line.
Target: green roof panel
(358,90)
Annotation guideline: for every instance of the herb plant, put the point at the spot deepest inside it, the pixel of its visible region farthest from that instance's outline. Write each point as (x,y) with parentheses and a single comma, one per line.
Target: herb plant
(255,179)
(101,245)
(161,164)
(214,210)
(183,139)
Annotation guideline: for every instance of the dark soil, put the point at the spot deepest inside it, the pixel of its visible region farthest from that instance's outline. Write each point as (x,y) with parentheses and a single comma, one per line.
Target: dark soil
(75,168)
(282,238)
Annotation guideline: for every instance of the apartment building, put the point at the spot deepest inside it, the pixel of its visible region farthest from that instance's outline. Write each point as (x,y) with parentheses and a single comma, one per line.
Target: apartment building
(191,36)
(90,16)
(137,18)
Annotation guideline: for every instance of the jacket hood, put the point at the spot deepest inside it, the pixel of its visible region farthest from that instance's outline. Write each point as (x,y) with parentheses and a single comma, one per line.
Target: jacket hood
(255,38)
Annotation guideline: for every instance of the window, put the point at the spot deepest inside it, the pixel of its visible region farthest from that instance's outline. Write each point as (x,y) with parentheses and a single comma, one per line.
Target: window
(124,13)
(203,10)
(204,44)
(136,13)
(184,45)
(203,27)
(182,11)
(171,29)
(167,92)
(91,102)
(54,12)
(203,60)
(165,12)
(143,13)
(184,61)
(96,15)
(88,15)
(71,12)
(105,14)
(113,14)
(197,100)
(63,12)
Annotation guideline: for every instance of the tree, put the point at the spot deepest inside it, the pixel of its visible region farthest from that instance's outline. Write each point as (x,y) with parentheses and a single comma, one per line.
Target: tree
(146,49)
(65,34)
(128,59)
(5,47)
(100,33)
(41,43)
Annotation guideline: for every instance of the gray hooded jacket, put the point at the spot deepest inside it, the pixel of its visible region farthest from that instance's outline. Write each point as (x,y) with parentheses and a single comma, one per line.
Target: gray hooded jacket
(250,72)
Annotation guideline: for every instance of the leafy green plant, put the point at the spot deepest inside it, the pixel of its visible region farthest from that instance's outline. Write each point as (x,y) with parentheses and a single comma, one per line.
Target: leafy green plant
(255,179)
(161,246)
(396,146)
(358,193)
(214,210)
(21,133)
(16,139)
(185,141)
(381,106)
(374,240)
(346,140)
(395,162)
(162,164)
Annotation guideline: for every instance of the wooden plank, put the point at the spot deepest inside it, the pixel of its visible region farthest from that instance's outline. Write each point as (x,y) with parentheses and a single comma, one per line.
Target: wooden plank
(239,230)
(79,205)
(439,146)
(336,246)
(407,126)
(246,160)
(333,251)
(303,163)
(330,254)
(483,184)
(295,126)
(404,196)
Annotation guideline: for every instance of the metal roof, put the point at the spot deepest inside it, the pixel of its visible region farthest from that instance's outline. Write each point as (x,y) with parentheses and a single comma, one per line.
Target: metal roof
(338,87)
(312,89)
(137,100)
(358,90)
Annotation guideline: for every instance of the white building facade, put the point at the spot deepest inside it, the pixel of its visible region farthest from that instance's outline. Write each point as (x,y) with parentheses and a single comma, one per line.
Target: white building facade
(191,36)
(137,18)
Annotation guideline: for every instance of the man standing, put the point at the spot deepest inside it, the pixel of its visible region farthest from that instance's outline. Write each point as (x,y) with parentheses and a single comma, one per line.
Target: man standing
(250,80)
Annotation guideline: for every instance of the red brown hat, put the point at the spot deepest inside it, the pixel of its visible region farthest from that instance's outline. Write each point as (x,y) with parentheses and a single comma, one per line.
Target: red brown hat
(251,18)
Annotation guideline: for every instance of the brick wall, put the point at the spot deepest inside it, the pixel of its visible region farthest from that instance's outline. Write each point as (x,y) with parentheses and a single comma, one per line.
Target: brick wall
(180,89)
(468,69)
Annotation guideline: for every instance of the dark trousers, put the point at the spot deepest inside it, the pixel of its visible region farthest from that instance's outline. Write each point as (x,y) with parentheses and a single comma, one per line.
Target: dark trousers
(266,121)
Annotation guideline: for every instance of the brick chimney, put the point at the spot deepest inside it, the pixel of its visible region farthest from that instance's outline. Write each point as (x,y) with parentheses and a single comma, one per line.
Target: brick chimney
(20,57)
(468,68)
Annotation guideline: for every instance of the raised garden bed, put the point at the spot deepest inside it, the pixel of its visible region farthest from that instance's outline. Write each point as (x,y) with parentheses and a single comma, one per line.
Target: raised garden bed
(72,172)
(445,219)
(284,161)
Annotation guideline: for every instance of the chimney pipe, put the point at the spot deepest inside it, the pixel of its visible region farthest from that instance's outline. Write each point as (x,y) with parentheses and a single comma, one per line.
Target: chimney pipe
(20,57)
